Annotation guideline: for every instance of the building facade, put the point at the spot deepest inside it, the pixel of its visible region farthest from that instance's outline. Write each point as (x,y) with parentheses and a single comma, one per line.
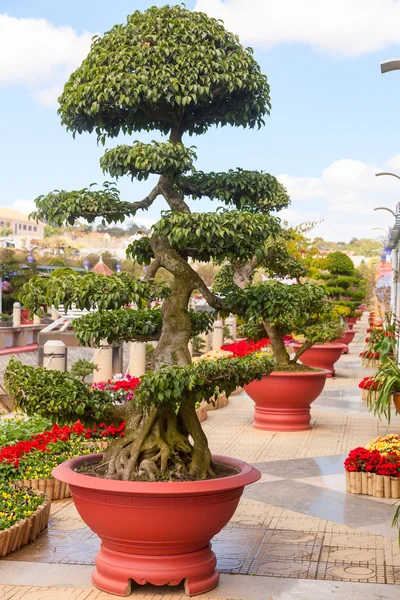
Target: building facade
(20,224)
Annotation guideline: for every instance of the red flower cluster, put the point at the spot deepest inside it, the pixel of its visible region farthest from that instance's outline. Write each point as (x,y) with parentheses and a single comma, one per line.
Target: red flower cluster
(361,459)
(368,354)
(389,465)
(41,441)
(368,383)
(104,430)
(124,388)
(245,347)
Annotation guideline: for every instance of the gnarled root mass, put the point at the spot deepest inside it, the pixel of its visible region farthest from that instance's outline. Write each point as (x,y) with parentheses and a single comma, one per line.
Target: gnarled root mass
(160,444)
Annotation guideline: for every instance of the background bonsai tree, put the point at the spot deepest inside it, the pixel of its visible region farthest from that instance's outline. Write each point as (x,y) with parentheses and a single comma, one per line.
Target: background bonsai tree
(278,310)
(343,283)
(179,73)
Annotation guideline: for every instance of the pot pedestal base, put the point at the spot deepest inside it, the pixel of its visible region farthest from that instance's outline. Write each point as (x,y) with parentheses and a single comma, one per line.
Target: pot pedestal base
(289,419)
(116,570)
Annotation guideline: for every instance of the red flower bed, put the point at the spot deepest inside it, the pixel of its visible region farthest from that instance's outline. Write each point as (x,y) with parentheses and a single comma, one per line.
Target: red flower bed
(361,459)
(245,347)
(41,441)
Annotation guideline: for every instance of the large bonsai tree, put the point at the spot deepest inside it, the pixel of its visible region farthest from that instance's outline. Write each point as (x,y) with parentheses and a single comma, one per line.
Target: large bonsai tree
(179,73)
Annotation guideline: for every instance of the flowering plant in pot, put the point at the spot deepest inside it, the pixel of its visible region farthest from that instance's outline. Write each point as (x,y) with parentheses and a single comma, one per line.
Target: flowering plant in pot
(200,77)
(283,399)
(380,342)
(387,394)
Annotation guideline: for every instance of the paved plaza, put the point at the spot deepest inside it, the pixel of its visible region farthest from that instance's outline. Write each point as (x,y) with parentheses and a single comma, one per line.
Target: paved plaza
(296,533)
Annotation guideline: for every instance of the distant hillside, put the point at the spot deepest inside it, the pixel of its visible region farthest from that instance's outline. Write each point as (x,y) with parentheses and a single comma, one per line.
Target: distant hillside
(362,247)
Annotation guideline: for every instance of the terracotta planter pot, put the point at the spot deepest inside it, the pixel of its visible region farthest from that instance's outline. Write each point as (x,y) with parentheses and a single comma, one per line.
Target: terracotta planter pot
(346,339)
(350,326)
(283,400)
(155,532)
(25,315)
(321,356)
(396,401)
(352,320)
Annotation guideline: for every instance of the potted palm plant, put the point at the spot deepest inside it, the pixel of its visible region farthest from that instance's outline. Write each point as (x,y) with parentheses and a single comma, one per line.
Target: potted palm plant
(157,495)
(387,390)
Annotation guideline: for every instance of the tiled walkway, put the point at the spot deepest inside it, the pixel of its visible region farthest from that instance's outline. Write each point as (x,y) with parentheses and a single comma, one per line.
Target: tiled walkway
(296,534)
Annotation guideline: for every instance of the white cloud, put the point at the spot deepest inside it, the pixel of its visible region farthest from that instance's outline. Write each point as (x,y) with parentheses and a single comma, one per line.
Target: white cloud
(341,27)
(344,197)
(24,206)
(37,54)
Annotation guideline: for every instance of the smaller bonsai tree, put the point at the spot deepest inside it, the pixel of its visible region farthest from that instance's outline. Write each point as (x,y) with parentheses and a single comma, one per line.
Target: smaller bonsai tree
(279,309)
(343,283)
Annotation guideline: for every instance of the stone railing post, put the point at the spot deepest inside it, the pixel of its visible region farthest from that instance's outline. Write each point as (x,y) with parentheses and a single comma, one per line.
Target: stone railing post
(54,314)
(206,339)
(16,314)
(103,359)
(218,337)
(137,359)
(230,322)
(55,355)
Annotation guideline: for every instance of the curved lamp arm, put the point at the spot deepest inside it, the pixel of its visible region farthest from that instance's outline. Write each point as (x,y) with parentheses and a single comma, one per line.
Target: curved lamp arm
(384,208)
(392,174)
(390,65)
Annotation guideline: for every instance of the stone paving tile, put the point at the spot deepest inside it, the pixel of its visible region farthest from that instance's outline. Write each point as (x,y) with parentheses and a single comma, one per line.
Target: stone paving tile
(44,593)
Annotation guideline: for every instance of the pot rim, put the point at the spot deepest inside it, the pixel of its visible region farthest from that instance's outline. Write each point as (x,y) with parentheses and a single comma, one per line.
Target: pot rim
(65,472)
(328,345)
(316,373)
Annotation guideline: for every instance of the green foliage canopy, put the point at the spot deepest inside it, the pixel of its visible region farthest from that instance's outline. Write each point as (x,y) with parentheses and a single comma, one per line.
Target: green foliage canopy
(127,324)
(88,291)
(250,191)
(200,76)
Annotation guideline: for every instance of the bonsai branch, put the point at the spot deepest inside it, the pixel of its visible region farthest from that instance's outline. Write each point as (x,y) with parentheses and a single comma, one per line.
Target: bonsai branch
(307,344)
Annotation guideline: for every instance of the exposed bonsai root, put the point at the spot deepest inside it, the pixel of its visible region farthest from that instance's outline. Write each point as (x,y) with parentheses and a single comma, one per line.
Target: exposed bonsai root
(156,445)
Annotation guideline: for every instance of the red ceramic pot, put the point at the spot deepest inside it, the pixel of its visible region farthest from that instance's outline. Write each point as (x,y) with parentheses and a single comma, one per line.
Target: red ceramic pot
(25,312)
(283,399)
(346,339)
(352,320)
(155,532)
(321,356)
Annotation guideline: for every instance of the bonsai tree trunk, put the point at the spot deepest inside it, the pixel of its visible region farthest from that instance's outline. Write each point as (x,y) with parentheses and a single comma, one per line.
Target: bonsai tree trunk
(157,440)
(282,358)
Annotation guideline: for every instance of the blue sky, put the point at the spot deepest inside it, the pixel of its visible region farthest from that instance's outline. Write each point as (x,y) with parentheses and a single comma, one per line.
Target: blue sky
(334,120)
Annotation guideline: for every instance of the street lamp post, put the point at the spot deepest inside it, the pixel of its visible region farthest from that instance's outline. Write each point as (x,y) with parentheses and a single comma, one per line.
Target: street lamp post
(387,66)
